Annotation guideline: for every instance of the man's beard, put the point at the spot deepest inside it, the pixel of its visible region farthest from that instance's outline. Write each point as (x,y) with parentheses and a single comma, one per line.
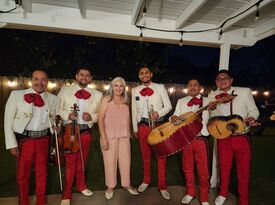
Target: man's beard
(83,84)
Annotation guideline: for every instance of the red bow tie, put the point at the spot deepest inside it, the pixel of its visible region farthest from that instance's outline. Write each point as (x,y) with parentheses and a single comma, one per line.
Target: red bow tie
(34,98)
(194,101)
(82,94)
(146,91)
(218,97)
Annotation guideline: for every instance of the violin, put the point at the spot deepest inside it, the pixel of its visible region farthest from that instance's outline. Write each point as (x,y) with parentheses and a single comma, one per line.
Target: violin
(71,138)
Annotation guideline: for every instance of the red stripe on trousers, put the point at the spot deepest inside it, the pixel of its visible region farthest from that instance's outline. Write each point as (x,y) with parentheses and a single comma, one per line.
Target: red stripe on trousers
(73,170)
(196,153)
(146,150)
(238,146)
(32,151)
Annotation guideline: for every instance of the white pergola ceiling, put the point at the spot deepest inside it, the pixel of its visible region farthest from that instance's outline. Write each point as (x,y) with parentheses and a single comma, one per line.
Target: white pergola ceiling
(116,19)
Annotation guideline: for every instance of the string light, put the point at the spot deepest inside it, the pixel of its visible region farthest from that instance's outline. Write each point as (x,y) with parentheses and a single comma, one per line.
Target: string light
(202,90)
(254,92)
(144,9)
(185,90)
(266,93)
(141,35)
(171,90)
(29,83)
(181,41)
(257,12)
(106,87)
(93,86)
(201,30)
(220,34)
(12,83)
(51,85)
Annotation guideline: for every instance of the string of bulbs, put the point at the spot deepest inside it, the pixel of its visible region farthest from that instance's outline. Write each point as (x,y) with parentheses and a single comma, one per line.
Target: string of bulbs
(18,3)
(144,10)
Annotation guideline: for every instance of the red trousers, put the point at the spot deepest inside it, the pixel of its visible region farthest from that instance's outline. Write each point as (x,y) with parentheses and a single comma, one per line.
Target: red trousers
(32,150)
(196,152)
(143,132)
(227,148)
(74,171)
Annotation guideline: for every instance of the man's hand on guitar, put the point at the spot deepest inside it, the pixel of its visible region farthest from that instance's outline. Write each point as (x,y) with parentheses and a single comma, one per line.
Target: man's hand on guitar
(14,151)
(155,115)
(252,122)
(212,105)
(175,120)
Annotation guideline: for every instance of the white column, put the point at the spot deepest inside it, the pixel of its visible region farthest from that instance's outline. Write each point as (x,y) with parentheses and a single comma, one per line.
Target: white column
(224,56)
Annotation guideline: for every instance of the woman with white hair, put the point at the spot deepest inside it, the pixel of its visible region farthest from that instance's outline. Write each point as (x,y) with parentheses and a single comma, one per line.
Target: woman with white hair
(114,127)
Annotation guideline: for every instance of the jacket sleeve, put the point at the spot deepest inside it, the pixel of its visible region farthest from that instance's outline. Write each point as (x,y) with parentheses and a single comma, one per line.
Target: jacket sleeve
(10,111)
(252,110)
(166,102)
(95,115)
(61,105)
(134,111)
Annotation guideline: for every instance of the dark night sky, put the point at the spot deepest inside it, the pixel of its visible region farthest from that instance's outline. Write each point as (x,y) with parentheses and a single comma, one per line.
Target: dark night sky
(60,54)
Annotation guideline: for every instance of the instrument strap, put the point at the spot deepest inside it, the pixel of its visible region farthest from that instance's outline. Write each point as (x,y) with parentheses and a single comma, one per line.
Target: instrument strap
(231,104)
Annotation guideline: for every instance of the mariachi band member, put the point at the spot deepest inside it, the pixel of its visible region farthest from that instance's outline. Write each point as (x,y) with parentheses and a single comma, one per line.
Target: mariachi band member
(150,103)
(87,101)
(197,151)
(237,145)
(28,120)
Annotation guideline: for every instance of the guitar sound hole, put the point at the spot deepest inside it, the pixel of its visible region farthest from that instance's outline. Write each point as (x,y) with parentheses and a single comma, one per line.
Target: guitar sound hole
(232,126)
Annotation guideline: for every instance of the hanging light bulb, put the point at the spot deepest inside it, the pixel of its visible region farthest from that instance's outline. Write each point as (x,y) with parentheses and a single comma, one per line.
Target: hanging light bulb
(141,35)
(144,9)
(181,41)
(220,34)
(257,12)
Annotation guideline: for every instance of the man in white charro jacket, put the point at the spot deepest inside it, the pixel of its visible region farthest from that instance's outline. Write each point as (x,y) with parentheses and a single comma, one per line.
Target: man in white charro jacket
(87,100)
(237,145)
(28,119)
(149,98)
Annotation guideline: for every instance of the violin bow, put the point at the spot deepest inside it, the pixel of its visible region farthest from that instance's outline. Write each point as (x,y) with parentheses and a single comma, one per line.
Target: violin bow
(58,157)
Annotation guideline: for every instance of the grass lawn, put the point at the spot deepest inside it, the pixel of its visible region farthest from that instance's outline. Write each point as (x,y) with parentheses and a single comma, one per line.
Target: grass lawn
(262,169)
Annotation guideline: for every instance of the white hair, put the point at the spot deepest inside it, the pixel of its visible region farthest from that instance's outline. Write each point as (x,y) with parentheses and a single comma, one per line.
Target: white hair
(111,89)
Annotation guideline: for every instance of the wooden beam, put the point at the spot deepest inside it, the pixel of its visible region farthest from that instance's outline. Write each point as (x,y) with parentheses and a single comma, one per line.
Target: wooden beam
(137,8)
(244,15)
(224,56)
(189,12)
(264,30)
(82,8)
(27,5)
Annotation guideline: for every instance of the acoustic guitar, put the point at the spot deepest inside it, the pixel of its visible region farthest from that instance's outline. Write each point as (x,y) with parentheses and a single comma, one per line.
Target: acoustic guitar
(221,127)
(169,138)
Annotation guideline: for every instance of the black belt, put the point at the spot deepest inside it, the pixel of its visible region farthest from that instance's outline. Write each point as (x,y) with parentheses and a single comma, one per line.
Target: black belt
(146,121)
(35,134)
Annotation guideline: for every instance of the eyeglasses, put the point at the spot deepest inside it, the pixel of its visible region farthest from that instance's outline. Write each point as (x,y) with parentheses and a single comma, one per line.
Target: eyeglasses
(222,79)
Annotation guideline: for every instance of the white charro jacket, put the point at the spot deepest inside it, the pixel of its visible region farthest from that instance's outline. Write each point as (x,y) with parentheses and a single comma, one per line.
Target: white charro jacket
(18,114)
(182,108)
(243,105)
(159,100)
(67,99)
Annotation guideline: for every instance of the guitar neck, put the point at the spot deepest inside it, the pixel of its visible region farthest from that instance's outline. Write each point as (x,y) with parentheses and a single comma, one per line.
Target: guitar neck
(202,109)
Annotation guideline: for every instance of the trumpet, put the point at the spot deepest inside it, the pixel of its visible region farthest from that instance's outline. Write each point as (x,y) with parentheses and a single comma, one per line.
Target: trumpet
(151,119)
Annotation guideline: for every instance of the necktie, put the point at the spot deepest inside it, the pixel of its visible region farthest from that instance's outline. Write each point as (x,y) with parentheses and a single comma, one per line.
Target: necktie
(146,91)
(34,98)
(194,101)
(219,96)
(82,94)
